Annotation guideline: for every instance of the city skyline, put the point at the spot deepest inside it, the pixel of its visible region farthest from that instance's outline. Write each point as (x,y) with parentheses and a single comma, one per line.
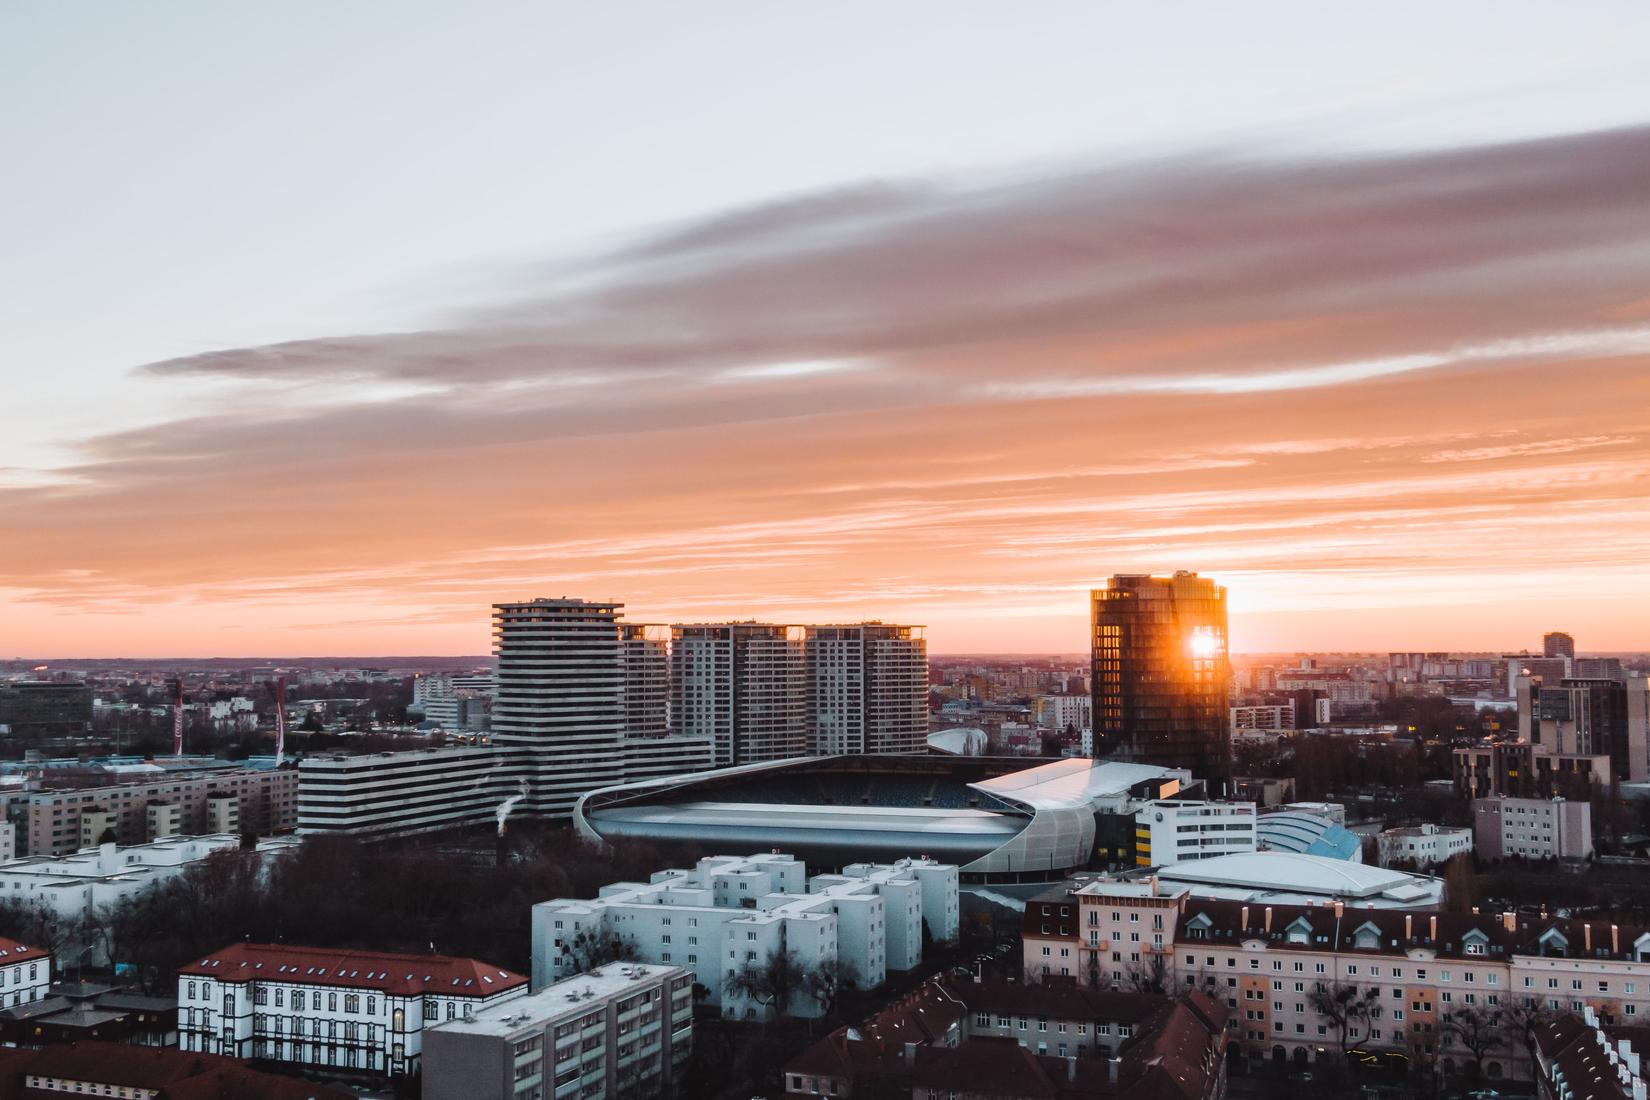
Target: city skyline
(946,337)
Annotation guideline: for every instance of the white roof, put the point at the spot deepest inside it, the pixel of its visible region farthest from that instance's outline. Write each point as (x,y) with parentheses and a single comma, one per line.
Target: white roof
(1263,873)
(1071,782)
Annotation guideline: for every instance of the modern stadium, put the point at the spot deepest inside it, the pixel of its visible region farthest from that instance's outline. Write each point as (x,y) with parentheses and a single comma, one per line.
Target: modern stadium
(1003,820)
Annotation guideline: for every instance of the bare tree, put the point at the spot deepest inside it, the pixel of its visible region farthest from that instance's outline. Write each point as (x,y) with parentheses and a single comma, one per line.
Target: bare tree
(771,982)
(1345,1005)
(1149,976)
(827,982)
(1477,1030)
(593,947)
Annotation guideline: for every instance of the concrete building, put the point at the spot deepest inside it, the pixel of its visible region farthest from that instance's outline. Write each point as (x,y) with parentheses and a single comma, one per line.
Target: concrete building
(1172,831)
(646,679)
(867,689)
(620,1030)
(1524,770)
(1062,712)
(401,793)
(25,973)
(91,1067)
(1162,678)
(455,702)
(1575,717)
(1532,828)
(559,705)
(266,801)
(741,685)
(1516,665)
(1558,644)
(325,1008)
(1422,845)
(733,912)
(45,707)
(1274,718)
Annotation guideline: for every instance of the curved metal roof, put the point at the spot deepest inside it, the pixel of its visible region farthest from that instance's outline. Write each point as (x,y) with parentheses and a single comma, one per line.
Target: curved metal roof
(1306,834)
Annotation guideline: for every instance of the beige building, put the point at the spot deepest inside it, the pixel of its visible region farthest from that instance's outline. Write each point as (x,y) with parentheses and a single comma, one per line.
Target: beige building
(1398,975)
(266,801)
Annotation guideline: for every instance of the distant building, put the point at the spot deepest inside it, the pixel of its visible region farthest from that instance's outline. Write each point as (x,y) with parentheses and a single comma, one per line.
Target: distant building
(1162,679)
(1273,718)
(330,1009)
(1329,811)
(1576,717)
(265,801)
(1524,770)
(1558,644)
(72,1011)
(1062,712)
(733,912)
(622,1029)
(1550,669)
(867,689)
(96,1068)
(45,707)
(400,793)
(1532,828)
(1263,791)
(1174,832)
(1422,845)
(742,686)
(1308,834)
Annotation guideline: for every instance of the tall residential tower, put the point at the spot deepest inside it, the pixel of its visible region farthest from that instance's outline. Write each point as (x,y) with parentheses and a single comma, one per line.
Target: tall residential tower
(740,684)
(867,689)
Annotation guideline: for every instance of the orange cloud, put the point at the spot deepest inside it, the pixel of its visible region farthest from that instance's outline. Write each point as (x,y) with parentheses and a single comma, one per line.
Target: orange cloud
(1391,401)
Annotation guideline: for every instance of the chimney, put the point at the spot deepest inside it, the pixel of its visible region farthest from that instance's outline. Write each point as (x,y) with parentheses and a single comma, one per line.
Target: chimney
(1509,921)
(1243,922)
(1340,908)
(910,1057)
(1615,940)
(1071,1067)
(1432,928)
(1152,881)
(1587,935)
(1112,1066)
(1409,926)
(1268,918)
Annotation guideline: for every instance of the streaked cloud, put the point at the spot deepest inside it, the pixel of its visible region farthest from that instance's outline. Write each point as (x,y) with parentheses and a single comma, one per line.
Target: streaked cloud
(1414,381)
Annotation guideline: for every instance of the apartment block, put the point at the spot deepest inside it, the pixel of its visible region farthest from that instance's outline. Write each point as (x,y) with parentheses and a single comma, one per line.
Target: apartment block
(1422,845)
(621,1029)
(1532,828)
(742,686)
(731,912)
(266,801)
(330,1009)
(867,689)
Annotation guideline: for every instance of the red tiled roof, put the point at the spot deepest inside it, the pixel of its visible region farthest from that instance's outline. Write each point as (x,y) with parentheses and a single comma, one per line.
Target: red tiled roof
(405,975)
(13,952)
(982,1067)
(170,1073)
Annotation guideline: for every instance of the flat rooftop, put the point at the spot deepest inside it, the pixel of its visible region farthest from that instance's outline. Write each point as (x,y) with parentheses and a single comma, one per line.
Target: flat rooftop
(568,997)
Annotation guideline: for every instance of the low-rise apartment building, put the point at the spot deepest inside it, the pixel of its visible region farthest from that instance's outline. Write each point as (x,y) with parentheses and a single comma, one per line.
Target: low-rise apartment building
(318,1007)
(1303,982)
(1532,828)
(1422,845)
(263,800)
(729,913)
(619,1030)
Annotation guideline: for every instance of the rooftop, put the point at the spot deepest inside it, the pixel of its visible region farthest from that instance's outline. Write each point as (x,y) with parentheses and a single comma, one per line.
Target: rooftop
(407,975)
(569,997)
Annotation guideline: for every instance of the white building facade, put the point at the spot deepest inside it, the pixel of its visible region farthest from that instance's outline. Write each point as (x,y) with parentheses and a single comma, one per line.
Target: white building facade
(1423,845)
(732,912)
(742,686)
(1174,832)
(315,1007)
(25,973)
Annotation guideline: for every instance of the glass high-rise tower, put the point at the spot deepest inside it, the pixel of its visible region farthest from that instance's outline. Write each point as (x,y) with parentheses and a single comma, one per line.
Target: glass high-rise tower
(1162,677)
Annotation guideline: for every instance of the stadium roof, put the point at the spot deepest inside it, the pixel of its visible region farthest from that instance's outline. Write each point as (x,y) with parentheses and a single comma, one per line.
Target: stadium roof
(1075,781)
(1306,834)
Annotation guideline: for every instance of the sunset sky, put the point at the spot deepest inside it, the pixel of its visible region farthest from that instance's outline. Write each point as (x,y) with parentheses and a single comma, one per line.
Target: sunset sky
(325,326)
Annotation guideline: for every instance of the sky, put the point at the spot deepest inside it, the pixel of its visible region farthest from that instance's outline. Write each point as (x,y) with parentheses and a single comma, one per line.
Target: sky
(324,327)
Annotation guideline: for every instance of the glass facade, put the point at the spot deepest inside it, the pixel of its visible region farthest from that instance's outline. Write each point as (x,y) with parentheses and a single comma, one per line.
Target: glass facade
(1162,678)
